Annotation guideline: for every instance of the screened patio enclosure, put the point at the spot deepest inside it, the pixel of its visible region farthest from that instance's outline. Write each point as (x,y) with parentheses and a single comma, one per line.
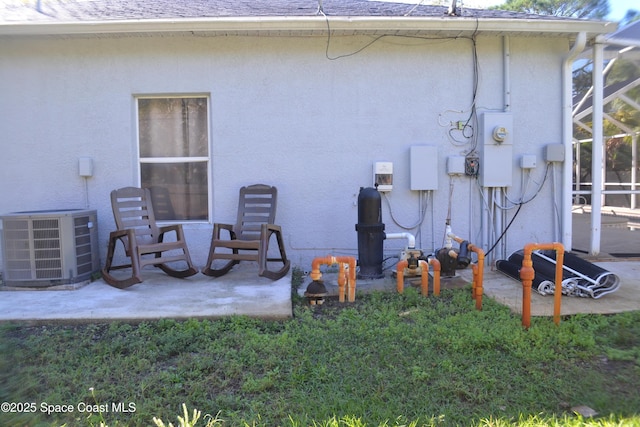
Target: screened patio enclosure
(606,123)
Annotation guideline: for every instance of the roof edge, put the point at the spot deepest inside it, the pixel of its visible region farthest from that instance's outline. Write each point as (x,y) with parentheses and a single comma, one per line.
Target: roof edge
(312,24)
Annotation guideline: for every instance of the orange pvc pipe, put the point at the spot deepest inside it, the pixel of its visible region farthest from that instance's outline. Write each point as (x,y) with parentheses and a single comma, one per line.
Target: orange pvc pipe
(478,269)
(424,278)
(400,275)
(343,277)
(474,270)
(527,273)
(436,275)
(478,272)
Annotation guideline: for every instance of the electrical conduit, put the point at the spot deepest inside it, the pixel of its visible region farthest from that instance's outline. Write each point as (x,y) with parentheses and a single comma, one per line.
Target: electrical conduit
(567,135)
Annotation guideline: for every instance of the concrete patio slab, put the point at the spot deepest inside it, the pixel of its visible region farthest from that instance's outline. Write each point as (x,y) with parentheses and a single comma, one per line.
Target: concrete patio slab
(243,292)
(508,291)
(240,292)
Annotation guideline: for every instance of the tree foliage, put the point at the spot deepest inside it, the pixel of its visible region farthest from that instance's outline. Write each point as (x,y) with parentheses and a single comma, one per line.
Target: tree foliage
(593,9)
(632,15)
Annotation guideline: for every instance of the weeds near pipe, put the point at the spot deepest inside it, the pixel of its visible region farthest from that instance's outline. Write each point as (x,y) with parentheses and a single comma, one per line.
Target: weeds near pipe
(385,360)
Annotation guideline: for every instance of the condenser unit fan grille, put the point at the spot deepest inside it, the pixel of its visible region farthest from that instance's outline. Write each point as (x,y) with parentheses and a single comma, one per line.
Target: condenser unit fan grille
(84,251)
(44,248)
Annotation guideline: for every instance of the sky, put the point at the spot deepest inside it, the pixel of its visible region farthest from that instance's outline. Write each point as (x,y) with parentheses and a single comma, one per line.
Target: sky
(618,8)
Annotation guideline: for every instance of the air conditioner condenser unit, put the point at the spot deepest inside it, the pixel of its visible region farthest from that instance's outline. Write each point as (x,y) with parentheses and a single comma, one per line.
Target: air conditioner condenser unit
(49,248)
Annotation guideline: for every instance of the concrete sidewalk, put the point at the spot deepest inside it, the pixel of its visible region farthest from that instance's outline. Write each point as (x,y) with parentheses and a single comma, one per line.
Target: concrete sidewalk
(240,292)
(508,291)
(243,292)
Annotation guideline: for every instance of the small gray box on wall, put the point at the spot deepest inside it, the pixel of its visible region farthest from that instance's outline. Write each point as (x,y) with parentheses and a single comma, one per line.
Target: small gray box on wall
(554,153)
(423,165)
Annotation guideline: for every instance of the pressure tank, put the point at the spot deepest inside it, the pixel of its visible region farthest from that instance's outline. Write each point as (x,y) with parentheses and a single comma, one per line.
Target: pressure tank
(370,234)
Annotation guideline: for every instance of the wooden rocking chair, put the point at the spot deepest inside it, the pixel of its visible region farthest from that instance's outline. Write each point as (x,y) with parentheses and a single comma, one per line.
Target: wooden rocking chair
(252,232)
(143,239)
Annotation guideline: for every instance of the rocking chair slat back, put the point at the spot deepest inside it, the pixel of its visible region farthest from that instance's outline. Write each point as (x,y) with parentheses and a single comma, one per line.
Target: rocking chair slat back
(255,226)
(131,210)
(142,239)
(257,206)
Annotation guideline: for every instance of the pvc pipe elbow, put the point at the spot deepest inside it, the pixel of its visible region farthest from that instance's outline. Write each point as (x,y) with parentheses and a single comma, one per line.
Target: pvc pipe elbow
(411,239)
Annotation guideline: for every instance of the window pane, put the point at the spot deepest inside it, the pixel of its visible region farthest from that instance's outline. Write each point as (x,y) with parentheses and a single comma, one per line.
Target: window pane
(178,190)
(173,127)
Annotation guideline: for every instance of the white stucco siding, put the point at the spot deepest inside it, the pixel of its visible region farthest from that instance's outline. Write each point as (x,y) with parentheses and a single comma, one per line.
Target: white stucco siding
(280,113)
(537,122)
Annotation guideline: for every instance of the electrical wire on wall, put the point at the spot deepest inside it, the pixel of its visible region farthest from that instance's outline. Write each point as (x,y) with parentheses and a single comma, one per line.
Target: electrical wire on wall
(449,206)
(414,8)
(557,219)
(396,222)
(461,133)
(86,191)
(321,11)
(425,200)
(422,213)
(515,204)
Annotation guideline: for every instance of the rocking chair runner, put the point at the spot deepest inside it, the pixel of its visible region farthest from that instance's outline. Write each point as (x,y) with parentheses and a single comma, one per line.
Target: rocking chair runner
(252,232)
(143,239)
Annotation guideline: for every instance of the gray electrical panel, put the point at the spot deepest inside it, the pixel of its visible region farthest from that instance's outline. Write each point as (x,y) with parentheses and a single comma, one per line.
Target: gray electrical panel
(423,165)
(495,139)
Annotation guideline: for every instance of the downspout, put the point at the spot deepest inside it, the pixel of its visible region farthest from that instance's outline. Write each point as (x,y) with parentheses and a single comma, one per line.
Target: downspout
(634,168)
(501,214)
(597,148)
(567,136)
(506,70)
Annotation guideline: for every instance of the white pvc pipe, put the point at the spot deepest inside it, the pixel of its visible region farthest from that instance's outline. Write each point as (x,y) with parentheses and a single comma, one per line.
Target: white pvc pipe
(433,235)
(506,67)
(411,240)
(499,223)
(634,162)
(485,219)
(567,137)
(597,146)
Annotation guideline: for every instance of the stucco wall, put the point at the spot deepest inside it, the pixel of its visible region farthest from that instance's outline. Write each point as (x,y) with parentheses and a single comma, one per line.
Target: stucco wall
(281,113)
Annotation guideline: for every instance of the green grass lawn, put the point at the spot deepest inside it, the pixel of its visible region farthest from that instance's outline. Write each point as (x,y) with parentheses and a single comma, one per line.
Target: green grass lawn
(385,360)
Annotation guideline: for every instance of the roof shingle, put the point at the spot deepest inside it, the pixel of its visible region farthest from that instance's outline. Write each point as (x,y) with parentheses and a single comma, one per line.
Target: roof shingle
(101,10)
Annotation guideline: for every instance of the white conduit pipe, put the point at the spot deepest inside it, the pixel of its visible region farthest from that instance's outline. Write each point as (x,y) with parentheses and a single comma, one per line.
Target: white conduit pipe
(411,240)
(567,136)
(597,149)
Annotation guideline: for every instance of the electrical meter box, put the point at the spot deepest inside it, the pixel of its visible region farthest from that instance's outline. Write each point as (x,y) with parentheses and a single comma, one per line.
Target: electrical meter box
(383,176)
(495,138)
(423,165)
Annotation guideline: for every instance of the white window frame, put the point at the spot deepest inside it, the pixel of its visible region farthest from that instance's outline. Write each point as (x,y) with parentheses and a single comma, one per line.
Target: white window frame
(156,160)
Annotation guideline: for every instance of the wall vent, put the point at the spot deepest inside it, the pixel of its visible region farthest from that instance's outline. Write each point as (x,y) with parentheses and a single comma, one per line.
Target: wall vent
(49,248)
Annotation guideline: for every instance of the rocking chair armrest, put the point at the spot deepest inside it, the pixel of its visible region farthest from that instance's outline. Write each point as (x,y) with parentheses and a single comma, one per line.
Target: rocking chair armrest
(169,228)
(126,236)
(218,227)
(271,228)
(119,234)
